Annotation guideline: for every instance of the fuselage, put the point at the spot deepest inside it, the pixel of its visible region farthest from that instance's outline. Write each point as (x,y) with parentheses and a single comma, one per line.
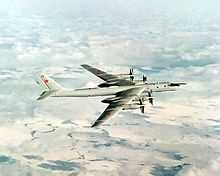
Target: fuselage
(92,92)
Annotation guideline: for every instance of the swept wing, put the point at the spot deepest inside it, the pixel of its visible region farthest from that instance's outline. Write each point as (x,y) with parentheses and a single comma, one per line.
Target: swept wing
(114,107)
(107,77)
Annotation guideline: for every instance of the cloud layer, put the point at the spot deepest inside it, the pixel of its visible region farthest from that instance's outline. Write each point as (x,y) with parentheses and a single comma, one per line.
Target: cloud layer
(177,136)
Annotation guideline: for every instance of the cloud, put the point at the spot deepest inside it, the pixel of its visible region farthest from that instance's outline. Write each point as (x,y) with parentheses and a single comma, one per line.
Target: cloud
(54,133)
(211,169)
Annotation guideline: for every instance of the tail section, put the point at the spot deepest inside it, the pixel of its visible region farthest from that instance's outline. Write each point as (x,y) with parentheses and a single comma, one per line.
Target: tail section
(49,86)
(49,83)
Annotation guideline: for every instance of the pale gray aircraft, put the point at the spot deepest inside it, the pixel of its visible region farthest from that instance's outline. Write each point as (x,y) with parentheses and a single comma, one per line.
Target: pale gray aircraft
(123,94)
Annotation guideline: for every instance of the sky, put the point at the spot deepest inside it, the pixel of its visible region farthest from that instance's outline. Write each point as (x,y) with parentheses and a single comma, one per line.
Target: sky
(139,8)
(166,41)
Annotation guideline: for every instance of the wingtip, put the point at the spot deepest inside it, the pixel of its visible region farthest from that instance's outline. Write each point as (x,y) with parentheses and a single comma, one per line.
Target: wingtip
(39,98)
(93,125)
(84,65)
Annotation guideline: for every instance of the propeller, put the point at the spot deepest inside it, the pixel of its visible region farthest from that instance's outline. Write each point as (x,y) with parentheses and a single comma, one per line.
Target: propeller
(132,78)
(144,78)
(141,101)
(131,71)
(151,101)
(150,97)
(142,107)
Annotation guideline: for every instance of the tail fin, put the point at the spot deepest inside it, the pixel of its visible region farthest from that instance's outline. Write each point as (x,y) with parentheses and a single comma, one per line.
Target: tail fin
(48,83)
(49,86)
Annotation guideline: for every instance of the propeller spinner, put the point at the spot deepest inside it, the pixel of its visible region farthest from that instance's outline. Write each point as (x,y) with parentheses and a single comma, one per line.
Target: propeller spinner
(132,78)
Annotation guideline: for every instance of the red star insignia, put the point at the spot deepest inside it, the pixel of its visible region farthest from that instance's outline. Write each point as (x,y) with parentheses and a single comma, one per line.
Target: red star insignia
(46,81)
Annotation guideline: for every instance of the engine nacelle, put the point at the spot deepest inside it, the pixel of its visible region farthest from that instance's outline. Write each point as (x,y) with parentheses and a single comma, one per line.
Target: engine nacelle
(143,98)
(132,107)
(111,99)
(124,76)
(108,84)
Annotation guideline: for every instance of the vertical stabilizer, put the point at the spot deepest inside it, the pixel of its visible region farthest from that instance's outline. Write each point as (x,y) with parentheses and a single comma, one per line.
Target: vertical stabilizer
(50,87)
(49,83)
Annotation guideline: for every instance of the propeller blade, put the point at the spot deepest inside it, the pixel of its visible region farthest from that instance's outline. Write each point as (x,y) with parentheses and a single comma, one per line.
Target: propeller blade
(151,101)
(150,97)
(142,108)
(144,78)
(141,101)
(131,71)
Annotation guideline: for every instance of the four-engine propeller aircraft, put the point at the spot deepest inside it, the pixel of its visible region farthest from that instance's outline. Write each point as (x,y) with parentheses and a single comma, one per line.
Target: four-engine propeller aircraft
(125,94)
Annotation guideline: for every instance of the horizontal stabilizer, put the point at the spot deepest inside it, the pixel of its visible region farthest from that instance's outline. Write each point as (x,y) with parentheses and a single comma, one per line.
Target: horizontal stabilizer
(45,94)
